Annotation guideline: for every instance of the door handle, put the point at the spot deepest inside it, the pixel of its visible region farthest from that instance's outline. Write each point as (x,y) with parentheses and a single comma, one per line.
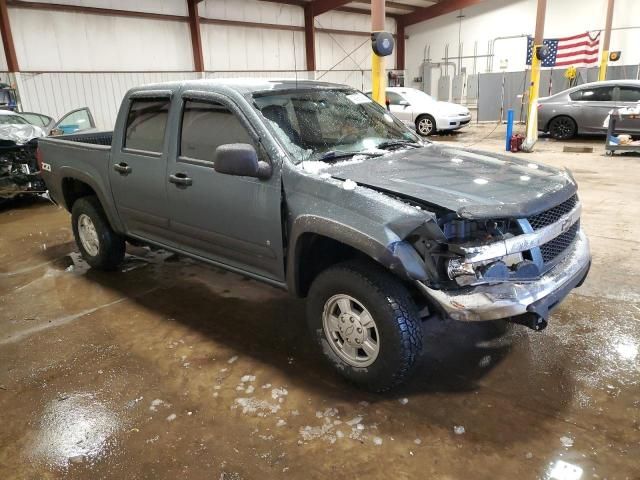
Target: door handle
(181,180)
(122,168)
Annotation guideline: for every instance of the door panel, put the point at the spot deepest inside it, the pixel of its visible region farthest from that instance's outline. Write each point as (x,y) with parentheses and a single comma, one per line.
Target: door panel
(402,111)
(592,105)
(138,170)
(229,219)
(629,97)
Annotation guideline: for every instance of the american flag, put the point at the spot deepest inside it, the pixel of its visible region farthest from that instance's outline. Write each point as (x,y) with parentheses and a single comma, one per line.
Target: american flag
(579,50)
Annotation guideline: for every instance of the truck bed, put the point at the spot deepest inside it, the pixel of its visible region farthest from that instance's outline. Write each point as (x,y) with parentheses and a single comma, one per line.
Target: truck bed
(93,138)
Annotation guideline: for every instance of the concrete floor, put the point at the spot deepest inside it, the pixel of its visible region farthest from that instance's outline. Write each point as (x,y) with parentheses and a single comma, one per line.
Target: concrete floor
(170,369)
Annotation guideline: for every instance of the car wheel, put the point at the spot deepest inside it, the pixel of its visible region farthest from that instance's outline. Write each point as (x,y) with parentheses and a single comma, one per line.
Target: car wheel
(366,324)
(563,128)
(425,125)
(99,245)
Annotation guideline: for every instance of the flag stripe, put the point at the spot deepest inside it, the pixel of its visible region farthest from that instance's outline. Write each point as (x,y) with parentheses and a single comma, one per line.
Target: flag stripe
(571,62)
(563,46)
(578,53)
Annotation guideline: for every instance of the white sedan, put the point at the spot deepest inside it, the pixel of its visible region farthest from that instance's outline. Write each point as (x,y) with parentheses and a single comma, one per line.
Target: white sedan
(424,113)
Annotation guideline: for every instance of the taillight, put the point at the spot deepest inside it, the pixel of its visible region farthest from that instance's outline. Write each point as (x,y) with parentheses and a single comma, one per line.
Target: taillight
(39,158)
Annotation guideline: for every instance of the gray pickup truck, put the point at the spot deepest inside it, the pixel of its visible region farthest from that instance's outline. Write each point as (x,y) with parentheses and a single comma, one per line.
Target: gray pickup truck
(314,188)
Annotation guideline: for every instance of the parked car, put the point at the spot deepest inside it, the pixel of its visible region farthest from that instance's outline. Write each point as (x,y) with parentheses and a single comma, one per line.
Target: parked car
(19,134)
(314,188)
(424,113)
(583,109)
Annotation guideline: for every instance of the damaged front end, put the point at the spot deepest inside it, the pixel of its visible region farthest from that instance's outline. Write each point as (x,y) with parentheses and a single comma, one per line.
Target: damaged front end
(517,269)
(19,172)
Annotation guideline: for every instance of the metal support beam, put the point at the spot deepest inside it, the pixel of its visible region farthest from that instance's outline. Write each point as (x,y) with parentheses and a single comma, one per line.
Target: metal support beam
(7,39)
(604,61)
(196,39)
(534,89)
(378,77)
(309,38)
(427,13)
(400,44)
(318,7)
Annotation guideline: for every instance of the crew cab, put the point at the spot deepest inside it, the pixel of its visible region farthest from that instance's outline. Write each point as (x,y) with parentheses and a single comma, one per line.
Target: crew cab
(314,188)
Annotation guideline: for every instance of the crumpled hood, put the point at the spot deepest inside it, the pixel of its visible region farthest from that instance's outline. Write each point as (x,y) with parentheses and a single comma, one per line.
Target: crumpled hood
(474,184)
(20,133)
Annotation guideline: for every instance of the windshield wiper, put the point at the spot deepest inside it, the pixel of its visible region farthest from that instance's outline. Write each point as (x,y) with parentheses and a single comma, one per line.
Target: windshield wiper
(334,154)
(398,143)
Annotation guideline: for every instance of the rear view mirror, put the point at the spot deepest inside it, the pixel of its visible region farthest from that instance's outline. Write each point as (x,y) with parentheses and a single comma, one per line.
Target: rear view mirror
(240,159)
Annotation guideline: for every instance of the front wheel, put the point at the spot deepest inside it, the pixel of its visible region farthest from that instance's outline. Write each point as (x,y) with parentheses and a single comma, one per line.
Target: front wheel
(100,246)
(426,125)
(366,324)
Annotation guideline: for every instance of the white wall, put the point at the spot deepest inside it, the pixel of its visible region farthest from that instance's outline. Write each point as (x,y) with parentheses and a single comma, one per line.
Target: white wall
(494,18)
(117,53)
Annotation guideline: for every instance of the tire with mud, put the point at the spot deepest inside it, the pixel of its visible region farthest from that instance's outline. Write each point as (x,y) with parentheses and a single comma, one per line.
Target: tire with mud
(366,324)
(100,246)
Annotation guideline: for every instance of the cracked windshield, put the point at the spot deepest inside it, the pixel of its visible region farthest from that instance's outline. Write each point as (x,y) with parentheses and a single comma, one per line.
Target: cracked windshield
(330,124)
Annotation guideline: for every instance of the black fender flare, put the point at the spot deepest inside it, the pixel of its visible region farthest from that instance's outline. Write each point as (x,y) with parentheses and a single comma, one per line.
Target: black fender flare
(399,256)
(108,207)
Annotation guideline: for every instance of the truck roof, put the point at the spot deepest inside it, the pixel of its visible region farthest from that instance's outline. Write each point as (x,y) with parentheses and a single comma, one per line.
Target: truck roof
(241,85)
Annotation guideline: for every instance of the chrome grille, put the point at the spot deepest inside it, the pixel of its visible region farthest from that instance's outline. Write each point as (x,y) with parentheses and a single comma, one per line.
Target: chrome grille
(553,214)
(555,247)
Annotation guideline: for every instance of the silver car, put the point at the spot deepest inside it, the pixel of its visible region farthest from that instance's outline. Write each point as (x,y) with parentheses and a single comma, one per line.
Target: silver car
(583,109)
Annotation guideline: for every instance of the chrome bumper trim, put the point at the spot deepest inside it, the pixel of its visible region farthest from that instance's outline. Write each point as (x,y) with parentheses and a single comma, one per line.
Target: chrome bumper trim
(524,242)
(508,299)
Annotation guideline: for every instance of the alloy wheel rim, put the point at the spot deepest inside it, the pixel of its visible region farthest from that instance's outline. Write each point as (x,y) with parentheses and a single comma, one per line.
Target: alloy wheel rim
(88,235)
(563,129)
(425,126)
(350,330)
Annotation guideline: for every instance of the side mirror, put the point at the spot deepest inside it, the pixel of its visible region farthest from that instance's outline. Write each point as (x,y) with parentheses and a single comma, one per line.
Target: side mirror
(56,131)
(240,159)
(404,103)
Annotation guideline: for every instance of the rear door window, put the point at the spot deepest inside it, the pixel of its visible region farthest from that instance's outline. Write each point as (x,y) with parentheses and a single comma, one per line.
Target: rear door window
(146,124)
(629,94)
(206,126)
(599,94)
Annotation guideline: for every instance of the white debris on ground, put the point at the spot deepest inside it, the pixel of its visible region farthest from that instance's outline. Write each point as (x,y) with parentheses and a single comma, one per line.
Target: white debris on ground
(232,359)
(279,394)
(404,401)
(377,441)
(248,378)
(171,417)
(281,422)
(458,430)
(349,184)
(249,389)
(332,428)
(266,385)
(252,405)
(417,441)
(566,441)
(157,403)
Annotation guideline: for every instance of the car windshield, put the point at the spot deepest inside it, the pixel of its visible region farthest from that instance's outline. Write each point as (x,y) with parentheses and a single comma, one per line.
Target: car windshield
(12,120)
(330,123)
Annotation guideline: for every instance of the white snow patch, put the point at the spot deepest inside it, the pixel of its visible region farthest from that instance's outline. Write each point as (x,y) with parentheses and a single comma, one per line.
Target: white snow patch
(377,441)
(281,423)
(566,441)
(252,405)
(278,393)
(171,417)
(250,389)
(349,184)
(248,378)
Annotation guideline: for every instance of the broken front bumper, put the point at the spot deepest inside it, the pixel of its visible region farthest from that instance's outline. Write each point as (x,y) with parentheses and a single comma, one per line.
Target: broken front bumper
(510,299)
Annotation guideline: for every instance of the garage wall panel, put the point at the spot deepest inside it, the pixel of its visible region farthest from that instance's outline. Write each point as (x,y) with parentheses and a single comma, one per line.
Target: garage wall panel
(64,41)
(167,7)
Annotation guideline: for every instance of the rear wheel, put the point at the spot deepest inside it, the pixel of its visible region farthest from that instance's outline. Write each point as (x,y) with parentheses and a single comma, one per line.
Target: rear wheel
(426,125)
(563,128)
(100,246)
(366,323)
